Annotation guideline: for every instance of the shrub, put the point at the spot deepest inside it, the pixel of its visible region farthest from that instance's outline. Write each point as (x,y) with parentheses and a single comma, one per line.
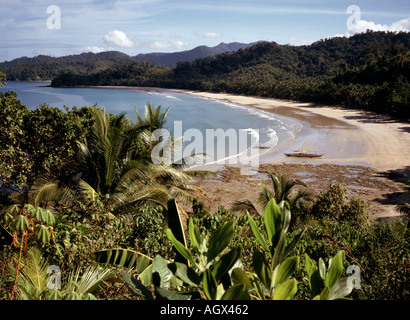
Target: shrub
(334,204)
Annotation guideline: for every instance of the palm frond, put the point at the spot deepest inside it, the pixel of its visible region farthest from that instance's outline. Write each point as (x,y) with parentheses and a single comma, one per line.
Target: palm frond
(45,191)
(32,279)
(245,206)
(89,281)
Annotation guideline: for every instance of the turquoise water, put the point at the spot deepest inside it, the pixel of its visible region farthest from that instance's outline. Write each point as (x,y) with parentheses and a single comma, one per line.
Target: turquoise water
(193,112)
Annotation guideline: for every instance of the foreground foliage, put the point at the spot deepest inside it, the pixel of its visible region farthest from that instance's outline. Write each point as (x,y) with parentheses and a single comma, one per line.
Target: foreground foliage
(156,250)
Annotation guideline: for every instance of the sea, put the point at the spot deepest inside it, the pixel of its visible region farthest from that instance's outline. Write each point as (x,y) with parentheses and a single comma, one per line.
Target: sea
(223,131)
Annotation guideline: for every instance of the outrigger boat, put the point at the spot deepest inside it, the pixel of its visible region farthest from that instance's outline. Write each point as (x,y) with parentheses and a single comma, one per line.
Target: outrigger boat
(303,155)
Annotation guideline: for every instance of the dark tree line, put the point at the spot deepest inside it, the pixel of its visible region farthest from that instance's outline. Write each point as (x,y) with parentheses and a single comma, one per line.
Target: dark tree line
(367,71)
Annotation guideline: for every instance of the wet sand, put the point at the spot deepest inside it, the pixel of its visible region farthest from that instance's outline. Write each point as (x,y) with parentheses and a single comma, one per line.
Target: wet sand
(367,152)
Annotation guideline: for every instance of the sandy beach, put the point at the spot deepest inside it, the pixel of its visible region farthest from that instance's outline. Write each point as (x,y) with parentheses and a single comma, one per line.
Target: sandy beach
(343,136)
(369,153)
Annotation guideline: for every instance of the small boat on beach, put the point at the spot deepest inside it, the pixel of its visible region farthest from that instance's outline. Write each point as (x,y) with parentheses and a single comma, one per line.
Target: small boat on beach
(303,155)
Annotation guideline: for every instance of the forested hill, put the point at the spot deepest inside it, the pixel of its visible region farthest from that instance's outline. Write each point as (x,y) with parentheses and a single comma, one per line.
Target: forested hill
(367,71)
(44,67)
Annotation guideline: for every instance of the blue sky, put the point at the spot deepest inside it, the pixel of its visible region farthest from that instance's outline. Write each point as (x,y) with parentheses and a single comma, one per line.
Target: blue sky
(141,26)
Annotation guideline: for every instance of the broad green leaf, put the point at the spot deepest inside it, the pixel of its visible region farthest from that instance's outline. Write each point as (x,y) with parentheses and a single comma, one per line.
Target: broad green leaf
(146,276)
(180,247)
(258,234)
(13,208)
(226,262)
(262,269)
(210,285)
(335,270)
(236,292)
(161,275)
(341,289)
(322,269)
(272,218)
(136,287)
(286,290)
(185,273)
(44,215)
(279,250)
(21,222)
(220,240)
(43,234)
(176,225)
(174,295)
(195,236)
(286,215)
(239,276)
(286,269)
(315,282)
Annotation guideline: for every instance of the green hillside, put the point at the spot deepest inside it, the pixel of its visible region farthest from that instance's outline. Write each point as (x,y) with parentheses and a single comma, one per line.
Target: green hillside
(367,71)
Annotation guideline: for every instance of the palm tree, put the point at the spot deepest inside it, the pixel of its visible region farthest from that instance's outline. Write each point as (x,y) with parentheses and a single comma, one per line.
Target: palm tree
(153,118)
(283,191)
(112,171)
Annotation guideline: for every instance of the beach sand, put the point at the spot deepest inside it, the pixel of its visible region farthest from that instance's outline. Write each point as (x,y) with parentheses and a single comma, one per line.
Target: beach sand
(367,152)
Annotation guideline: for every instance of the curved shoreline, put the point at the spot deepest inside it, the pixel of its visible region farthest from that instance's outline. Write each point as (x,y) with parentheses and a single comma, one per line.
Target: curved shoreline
(345,136)
(367,152)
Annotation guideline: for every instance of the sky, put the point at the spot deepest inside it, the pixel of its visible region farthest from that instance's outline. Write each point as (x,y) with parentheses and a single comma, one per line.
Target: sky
(58,28)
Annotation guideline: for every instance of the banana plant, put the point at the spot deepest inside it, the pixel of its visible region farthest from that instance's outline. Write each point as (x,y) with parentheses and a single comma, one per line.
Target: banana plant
(328,284)
(273,267)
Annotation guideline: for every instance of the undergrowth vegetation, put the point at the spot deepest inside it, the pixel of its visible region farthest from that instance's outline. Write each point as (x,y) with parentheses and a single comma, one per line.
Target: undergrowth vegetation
(103,222)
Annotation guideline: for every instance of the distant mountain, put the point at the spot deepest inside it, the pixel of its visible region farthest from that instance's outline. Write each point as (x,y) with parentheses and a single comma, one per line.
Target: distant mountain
(369,71)
(46,68)
(171,59)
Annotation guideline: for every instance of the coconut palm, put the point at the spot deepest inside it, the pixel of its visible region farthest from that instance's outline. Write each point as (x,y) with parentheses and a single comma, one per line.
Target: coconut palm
(282,190)
(153,118)
(112,170)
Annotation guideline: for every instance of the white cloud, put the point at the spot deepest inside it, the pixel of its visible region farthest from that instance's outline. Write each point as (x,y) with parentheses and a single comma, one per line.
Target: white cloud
(211,35)
(94,49)
(179,44)
(118,38)
(158,45)
(162,45)
(363,26)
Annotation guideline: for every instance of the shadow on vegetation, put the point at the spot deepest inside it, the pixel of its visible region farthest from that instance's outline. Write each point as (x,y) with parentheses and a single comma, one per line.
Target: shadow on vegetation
(367,117)
(400,175)
(396,198)
(405,129)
